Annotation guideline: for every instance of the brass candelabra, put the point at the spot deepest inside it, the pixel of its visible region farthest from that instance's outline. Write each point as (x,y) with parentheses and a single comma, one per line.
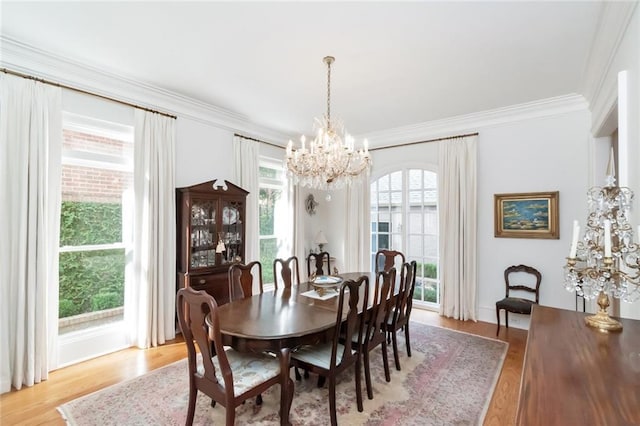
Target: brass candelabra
(605,262)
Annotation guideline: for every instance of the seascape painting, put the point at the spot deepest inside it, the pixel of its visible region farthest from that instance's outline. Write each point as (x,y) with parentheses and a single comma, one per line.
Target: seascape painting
(527,215)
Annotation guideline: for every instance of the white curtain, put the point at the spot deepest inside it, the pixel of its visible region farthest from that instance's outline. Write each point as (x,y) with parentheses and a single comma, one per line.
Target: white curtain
(150,279)
(246,175)
(458,222)
(358,225)
(30,156)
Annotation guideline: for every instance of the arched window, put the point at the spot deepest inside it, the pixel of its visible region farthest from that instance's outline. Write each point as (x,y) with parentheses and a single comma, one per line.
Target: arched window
(404,217)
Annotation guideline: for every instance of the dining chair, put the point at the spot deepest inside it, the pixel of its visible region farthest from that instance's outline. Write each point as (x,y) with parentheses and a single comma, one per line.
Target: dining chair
(375,325)
(400,315)
(316,262)
(518,305)
(332,358)
(228,377)
(387,259)
(242,278)
(287,270)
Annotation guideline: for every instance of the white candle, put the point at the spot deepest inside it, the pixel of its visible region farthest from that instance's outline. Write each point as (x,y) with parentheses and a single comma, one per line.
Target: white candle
(607,238)
(574,240)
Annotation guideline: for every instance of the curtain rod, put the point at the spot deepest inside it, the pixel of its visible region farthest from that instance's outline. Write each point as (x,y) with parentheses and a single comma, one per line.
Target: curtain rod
(64,86)
(427,141)
(258,140)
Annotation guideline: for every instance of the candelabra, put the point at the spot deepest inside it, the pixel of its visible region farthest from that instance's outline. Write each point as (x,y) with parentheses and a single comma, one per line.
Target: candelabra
(605,262)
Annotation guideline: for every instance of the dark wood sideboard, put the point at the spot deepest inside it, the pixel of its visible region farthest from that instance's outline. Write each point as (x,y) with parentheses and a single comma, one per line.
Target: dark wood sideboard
(574,374)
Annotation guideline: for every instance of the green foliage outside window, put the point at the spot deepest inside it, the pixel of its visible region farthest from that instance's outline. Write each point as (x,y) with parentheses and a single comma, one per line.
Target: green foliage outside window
(90,280)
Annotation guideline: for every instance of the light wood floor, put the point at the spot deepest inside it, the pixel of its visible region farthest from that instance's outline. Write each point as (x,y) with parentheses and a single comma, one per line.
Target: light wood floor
(37,405)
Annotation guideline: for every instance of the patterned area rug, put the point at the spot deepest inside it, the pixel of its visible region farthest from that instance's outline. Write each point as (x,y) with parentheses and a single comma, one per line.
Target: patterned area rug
(449,380)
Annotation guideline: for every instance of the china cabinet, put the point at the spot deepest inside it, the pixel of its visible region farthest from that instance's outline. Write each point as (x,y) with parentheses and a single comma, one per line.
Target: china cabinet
(210,235)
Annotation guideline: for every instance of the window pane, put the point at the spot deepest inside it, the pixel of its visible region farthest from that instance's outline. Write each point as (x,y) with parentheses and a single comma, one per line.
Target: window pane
(415,198)
(396,181)
(430,179)
(396,198)
(415,223)
(431,196)
(397,242)
(267,202)
(415,179)
(383,198)
(430,220)
(91,281)
(383,183)
(268,253)
(415,245)
(91,211)
(383,226)
(431,245)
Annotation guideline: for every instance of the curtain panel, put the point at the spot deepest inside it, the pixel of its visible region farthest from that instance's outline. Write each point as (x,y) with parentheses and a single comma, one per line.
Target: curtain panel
(30,162)
(150,277)
(246,174)
(457,207)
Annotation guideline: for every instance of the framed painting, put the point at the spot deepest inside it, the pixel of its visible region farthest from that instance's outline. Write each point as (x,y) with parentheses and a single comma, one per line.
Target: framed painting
(527,215)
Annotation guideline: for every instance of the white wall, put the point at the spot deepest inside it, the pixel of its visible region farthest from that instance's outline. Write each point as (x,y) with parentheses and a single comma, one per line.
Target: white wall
(203,152)
(544,154)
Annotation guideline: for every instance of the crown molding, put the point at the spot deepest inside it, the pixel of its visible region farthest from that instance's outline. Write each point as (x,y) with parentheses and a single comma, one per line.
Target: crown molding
(24,58)
(469,123)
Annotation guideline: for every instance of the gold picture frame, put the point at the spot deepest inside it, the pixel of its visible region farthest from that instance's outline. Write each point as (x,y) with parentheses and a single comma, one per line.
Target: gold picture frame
(527,215)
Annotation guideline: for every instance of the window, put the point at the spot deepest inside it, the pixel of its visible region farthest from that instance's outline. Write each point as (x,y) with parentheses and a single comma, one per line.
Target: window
(274,225)
(97,173)
(404,217)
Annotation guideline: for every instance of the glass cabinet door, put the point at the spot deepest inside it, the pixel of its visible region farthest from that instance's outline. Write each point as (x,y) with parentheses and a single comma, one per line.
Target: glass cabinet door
(203,233)
(231,233)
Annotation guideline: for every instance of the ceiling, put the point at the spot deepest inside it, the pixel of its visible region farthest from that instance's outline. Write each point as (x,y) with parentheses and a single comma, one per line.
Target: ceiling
(397,63)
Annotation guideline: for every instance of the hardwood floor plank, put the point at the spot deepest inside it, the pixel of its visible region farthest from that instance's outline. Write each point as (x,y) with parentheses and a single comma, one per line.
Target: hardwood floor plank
(37,405)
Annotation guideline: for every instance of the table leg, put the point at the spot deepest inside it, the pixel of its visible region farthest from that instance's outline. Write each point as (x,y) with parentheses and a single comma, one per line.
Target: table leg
(286,392)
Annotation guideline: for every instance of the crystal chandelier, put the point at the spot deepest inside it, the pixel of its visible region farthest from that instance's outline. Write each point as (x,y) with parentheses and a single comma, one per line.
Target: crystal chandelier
(606,262)
(330,160)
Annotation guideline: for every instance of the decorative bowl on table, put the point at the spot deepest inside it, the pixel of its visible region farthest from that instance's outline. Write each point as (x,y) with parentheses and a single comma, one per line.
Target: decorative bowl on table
(324,283)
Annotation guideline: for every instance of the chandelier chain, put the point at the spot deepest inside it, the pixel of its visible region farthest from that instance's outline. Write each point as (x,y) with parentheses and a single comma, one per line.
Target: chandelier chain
(329,92)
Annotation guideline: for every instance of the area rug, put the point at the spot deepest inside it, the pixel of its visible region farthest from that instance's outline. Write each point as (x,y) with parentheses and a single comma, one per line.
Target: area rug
(449,380)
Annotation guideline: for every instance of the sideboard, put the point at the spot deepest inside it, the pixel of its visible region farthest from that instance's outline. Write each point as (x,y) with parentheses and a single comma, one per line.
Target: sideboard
(574,374)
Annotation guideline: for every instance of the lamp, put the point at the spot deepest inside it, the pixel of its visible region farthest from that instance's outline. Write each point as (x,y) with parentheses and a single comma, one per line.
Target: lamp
(606,261)
(330,161)
(321,240)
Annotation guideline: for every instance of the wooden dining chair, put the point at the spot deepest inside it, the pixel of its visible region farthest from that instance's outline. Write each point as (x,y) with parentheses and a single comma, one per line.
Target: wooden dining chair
(316,262)
(287,271)
(375,325)
(514,304)
(332,358)
(242,278)
(387,259)
(228,377)
(401,313)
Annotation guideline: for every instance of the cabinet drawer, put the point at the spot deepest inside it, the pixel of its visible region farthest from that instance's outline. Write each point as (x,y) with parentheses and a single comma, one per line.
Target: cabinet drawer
(216,285)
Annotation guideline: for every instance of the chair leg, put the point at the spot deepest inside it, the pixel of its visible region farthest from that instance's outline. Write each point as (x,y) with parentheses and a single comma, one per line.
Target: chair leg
(385,360)
(406,338)
(321,381)
(367,374)
(298,376)
(506,318)
(231,415)
(359,384)
(259,399)
(193,393)
(498,320)
(396,355)
(332,400)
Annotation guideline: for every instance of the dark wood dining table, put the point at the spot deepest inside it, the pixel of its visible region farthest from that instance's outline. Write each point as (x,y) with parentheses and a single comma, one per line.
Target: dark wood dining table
(280,321)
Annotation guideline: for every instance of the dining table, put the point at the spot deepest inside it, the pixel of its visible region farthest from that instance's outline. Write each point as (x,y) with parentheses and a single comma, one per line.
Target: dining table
(282,320)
